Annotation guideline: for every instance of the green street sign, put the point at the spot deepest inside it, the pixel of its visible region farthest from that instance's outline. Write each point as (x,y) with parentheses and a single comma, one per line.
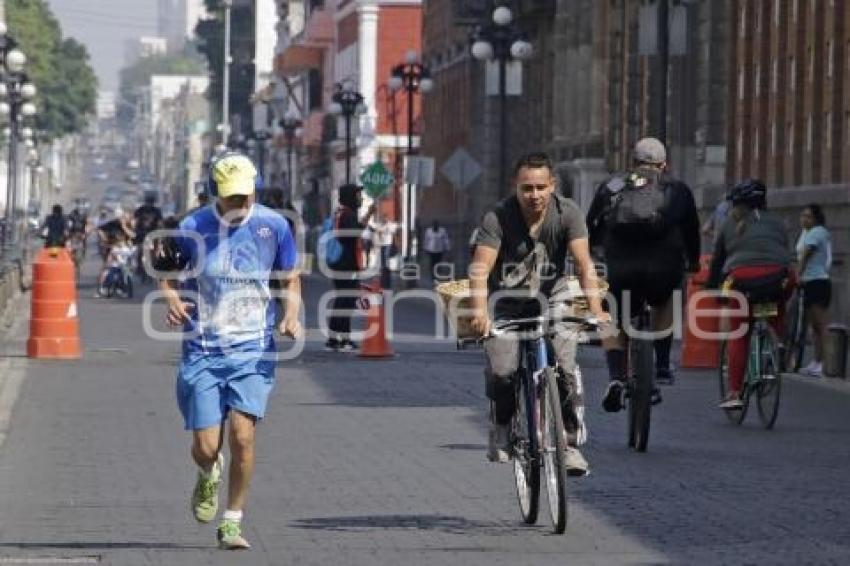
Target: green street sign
(376,179)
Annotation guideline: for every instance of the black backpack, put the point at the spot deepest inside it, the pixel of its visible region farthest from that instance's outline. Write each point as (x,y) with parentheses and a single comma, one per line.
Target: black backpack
(638,206)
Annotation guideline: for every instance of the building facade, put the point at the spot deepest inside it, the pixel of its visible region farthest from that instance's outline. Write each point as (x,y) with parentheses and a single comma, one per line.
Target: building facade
(354,43)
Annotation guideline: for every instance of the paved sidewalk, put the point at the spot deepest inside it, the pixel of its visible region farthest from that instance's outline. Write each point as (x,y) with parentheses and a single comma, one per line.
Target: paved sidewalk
(373,463)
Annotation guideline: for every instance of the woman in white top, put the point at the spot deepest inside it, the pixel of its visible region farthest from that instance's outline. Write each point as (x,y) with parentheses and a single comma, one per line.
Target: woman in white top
(814,253)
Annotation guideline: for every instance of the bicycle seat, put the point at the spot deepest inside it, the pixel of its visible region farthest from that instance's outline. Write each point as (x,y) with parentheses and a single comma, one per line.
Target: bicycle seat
(765,310)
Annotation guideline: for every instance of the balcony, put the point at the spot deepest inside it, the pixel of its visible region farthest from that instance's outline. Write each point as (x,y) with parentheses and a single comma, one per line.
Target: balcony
(306,50)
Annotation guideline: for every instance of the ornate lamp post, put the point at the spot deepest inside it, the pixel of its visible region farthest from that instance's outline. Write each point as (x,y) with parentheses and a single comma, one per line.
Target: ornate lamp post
(413,77)
(502,40)
(292,128)
(347,103)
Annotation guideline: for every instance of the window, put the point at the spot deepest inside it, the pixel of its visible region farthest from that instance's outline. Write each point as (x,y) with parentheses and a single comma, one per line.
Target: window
(827,122)
(743,31)
(777,9)
(758,79)
(793,73)
(809,133)
(741,84)
(773,138)
(790,141)
(811,64)
(796,9)
(740,149)
(756,144)
(774,79)
(830,54)
(758,17)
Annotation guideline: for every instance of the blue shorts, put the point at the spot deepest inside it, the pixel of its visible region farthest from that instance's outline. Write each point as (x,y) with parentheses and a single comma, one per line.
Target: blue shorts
(208,386)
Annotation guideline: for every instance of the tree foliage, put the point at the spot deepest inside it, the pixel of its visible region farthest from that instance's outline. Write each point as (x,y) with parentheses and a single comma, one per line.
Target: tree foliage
(59,67)
(210,33)
(137,76)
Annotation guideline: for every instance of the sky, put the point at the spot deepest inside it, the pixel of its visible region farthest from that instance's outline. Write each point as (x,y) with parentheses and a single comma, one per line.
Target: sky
(103,26)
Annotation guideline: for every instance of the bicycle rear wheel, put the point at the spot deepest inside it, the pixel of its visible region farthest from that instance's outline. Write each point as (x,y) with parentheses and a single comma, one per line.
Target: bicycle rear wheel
(735,416)
(796,334)
(554,451)
(526,462)
(640,393)
(769,386)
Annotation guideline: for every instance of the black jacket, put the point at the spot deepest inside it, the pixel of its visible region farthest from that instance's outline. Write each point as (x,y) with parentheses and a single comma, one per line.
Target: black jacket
(681,212)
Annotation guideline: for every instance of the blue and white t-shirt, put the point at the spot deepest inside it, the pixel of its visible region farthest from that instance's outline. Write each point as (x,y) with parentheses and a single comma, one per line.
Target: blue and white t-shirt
(230,274)
(820,261)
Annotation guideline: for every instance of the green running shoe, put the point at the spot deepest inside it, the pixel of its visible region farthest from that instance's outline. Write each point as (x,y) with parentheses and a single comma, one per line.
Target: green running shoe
(205,494)
(230,536)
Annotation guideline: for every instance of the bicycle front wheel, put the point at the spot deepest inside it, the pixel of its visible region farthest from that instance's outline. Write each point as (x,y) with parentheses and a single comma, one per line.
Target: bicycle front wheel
(640,394)
(769,386)
(526,462)
(554,451)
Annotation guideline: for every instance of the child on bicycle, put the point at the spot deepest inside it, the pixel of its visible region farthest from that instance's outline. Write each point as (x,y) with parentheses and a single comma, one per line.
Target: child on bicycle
(118,261)
(751,256)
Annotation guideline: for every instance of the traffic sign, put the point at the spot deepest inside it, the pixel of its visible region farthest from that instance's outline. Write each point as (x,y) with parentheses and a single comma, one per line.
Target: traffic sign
(376,179)
(461,169)
(419,171)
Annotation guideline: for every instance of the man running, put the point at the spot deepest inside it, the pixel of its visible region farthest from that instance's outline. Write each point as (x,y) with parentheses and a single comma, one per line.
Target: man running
(232,249)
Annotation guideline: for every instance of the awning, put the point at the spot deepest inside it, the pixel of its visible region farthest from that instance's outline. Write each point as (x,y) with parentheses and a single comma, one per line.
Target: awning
(297,59)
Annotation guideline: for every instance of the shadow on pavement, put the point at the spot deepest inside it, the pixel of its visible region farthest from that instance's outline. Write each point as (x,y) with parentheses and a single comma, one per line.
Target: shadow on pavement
(441,523)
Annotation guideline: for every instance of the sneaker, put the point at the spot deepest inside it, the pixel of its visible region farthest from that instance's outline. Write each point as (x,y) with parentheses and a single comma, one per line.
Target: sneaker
(655,396)
(499,443)
(665,377)
(814,369)
(576,464)
(332,345)
(613,401)
(348,346)
(205,494)
(230,535)
(732,403)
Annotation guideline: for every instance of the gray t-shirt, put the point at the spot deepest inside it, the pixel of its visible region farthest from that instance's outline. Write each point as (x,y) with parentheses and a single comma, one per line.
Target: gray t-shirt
(503,228)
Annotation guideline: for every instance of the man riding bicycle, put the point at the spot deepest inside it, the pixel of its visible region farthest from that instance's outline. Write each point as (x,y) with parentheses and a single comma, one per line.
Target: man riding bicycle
(147,218)
(533,231)
(751,255)
(647,224)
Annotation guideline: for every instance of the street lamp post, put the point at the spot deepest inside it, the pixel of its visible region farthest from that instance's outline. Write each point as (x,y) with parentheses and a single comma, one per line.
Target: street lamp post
(413,77)
(291,128)
(348,103)
(225,103)
(258,141)
(16,95)
(503,41)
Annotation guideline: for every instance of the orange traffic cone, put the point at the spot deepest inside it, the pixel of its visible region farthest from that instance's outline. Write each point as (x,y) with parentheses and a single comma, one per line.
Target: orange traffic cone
(375,344)
(54,326)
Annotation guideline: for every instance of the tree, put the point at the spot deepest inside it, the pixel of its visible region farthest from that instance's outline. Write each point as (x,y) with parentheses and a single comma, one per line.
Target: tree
(59,68)
(137,76)
(210,33)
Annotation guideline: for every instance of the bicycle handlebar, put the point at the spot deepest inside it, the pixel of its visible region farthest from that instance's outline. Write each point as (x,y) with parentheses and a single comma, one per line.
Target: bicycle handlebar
(502,327)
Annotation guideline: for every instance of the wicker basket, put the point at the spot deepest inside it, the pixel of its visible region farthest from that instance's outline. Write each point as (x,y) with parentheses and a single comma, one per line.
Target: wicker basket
(456,298)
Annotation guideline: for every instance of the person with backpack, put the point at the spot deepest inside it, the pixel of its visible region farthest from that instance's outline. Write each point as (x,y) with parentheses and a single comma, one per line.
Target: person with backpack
(341,249)
(647,224)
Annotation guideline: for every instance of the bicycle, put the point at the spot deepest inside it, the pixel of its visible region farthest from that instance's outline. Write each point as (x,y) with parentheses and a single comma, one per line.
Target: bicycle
(640,384)
(795,332)
(538,436)
(762,377)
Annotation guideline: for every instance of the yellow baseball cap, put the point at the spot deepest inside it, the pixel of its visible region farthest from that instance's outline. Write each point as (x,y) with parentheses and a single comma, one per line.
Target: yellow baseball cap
(234,175)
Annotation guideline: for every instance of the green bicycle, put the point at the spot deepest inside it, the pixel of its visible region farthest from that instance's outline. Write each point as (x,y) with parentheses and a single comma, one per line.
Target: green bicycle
(763,378)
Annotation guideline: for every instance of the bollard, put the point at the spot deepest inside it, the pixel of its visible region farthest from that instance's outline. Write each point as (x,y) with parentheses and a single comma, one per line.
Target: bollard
(54,325)
(835,351)
(697,353)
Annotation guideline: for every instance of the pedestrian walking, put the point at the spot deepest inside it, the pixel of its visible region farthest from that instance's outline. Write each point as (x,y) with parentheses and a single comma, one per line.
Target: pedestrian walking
(814,253)
(349,228)
(436,245)
(383,234)
(227,369)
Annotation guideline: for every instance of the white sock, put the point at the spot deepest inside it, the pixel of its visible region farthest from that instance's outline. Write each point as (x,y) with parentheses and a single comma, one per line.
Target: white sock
(231,515)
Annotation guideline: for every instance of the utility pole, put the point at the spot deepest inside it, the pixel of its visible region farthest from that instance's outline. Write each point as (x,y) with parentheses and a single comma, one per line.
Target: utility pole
(225,103)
